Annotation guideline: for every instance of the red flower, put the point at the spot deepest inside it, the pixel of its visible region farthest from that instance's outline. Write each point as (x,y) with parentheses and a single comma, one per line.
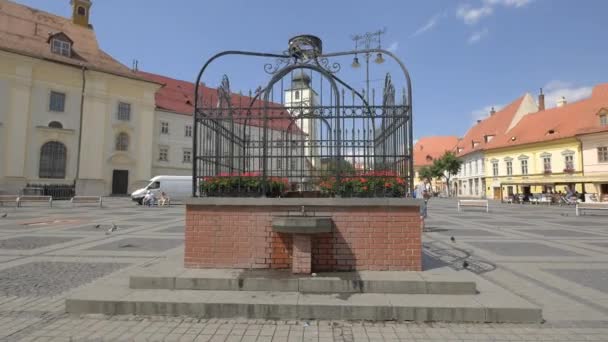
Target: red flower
(388,185)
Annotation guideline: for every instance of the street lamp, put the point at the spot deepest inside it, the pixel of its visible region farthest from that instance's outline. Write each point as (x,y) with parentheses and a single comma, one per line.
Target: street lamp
(367,40)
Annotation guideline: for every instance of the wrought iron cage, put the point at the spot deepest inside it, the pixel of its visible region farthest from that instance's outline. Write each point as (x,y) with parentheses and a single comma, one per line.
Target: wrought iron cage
(306,132)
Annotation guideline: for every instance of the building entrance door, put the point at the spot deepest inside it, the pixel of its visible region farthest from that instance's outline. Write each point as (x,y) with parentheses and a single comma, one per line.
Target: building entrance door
(497,193)
(120,182)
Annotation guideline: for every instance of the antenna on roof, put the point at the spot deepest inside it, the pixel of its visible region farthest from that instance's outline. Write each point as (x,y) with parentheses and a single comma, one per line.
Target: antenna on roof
(135,66)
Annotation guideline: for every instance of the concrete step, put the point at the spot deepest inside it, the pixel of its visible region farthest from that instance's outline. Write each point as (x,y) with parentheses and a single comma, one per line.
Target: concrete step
(283,281)
(114,297)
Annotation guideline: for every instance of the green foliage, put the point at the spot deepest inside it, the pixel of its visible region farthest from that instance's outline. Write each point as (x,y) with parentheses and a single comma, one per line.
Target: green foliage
(369,184)
(243,185)
(426,173)
(446,166)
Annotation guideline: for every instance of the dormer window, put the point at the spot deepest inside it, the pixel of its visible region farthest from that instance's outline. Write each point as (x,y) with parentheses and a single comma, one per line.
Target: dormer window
(488,138)
(61,44)
(604,120)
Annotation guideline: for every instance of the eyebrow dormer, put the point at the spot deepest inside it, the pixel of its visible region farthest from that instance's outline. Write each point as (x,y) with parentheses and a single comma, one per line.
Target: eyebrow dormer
(61,44)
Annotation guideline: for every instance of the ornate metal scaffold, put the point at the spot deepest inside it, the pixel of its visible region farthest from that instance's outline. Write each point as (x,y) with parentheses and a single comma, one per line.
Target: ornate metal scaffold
(305,133)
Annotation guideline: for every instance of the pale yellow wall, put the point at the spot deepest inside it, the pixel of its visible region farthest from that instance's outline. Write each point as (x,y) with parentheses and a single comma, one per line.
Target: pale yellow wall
(25,86)
(535,164)
(592,167)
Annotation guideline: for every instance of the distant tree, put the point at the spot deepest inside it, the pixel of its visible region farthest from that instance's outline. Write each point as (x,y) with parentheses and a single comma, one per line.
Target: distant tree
(446,167)
(426,174)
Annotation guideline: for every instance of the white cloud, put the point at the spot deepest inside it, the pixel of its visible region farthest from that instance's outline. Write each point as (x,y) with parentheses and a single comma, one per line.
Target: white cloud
(484,112)
(477,36)
(509,3)
(471,15)
(554,90)
(393,47)
(433,21)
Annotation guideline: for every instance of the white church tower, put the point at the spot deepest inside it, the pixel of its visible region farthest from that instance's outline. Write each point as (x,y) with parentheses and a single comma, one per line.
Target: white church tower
(299,100)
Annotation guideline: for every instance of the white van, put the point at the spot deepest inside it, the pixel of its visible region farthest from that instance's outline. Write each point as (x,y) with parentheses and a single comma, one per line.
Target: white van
(178,188)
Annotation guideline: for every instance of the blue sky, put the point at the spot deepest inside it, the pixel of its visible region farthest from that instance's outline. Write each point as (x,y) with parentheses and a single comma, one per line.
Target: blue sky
(464,55)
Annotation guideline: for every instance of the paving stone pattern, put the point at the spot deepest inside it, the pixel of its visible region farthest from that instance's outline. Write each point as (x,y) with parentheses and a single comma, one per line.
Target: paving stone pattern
(139,244)
(565,273)
(50,278)
(32,242)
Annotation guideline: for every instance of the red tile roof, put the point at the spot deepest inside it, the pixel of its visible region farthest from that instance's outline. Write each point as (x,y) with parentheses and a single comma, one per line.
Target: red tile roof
(24,30)
(428,149)
(178,97)
(494,125)
(558,123)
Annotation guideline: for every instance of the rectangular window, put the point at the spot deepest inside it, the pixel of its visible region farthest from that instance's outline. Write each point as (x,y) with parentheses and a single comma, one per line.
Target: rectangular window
(293,164)
(57,102)
(509,168)
(187,156)
(547,164)
(164,127)
(187,132)
(495,168)
(602,154)
(124,111)
(524,167)
(279,164)
(163,154)
(61,47)
(476,167)
(569,162)
(604,120)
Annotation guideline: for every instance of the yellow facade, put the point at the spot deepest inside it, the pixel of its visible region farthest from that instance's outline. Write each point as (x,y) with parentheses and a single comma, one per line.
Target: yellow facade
(536,180)
(25,85)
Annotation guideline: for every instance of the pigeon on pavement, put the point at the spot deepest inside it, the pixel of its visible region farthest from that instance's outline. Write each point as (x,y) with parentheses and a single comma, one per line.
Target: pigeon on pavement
(453,239)
(465,264)
(112,229)
(4,215)
(97,226)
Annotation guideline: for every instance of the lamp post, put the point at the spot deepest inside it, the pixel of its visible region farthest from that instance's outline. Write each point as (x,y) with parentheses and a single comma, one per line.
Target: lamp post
(366,41)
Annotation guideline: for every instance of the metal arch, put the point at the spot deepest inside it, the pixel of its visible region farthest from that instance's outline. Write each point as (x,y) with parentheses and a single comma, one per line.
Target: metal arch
(276,78)
(409,99)
(294,63)
(196,104)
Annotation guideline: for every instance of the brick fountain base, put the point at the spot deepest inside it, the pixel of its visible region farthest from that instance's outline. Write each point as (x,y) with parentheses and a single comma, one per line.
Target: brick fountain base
(252,233)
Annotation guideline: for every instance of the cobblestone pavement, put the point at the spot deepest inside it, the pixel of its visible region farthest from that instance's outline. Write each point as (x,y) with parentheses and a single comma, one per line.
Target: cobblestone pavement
(544,254)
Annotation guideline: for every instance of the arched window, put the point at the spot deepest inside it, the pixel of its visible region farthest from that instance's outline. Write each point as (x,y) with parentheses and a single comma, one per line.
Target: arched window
(55,124)
(52,160)
(122,142)
(82,11)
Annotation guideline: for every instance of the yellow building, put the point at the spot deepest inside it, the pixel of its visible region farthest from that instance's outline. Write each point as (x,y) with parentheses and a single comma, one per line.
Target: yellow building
(543,152)
(69,113)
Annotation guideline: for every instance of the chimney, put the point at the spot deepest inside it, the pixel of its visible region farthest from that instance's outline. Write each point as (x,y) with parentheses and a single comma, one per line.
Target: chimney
(562,102)
(492,111)
(541,101)
(478,121)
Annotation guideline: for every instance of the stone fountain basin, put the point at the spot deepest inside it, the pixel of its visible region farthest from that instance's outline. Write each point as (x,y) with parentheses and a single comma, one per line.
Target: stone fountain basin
(302,224)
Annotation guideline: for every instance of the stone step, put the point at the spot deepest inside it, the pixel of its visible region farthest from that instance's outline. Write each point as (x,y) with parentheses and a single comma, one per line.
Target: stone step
(280,281)
(114,297)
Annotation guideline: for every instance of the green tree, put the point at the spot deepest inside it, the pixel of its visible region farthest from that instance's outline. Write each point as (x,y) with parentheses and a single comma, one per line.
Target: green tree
(426,174)
(446,167)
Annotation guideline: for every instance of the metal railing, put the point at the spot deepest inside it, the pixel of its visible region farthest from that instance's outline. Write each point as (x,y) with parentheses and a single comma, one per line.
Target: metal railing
(56,191)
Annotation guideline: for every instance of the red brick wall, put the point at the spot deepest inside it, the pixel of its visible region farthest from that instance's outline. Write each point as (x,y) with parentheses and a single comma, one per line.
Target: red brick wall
(364,238)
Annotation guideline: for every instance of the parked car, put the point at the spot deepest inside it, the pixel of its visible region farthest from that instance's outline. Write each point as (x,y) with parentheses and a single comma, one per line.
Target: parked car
(177,188)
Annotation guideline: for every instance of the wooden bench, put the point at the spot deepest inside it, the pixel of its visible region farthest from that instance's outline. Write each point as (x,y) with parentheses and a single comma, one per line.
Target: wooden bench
(14,199)
(474,203)
(35,199)
(97,200)
(581,207)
